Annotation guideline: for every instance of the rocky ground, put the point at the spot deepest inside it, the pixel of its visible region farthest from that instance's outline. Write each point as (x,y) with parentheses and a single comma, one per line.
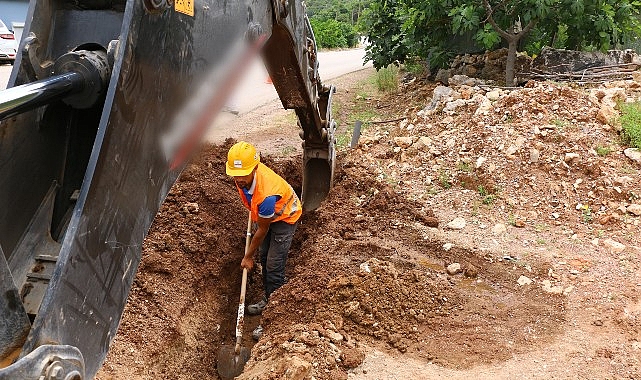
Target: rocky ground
(475,232)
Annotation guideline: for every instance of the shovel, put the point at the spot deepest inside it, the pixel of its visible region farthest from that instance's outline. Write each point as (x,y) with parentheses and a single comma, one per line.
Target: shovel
(232,359)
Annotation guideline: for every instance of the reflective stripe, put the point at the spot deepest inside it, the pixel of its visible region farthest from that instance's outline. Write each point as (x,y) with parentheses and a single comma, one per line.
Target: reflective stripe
(282,209)
(294,207)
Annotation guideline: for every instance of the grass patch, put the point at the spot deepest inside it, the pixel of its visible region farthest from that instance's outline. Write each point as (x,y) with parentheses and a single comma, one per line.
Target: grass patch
(631,123)
(488,198)
(415,66)
(444,179)
(586,214)
(464,167)
(288,150)
(387,79)
(603,150)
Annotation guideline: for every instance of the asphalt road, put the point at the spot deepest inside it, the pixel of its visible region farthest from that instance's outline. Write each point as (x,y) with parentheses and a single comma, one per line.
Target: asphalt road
(5,71)
(253,92)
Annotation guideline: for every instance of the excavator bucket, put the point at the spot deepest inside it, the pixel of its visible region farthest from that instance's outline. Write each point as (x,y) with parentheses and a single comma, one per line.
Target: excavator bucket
(107,100)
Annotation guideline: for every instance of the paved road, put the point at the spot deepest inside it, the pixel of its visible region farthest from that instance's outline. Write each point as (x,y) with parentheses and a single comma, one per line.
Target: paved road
(253,92)
(5,71)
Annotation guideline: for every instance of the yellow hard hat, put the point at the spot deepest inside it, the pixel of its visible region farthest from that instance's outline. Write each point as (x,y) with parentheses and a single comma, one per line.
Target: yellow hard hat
(242,159)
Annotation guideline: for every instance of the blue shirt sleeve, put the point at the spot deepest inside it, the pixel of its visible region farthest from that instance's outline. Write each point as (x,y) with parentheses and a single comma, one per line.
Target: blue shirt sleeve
(267,209)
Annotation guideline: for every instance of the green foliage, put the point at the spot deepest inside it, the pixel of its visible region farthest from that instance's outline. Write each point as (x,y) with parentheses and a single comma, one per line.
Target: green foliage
(464,167)
(444,179)
(603,150)
(488,198)
(631,123)
(387,79)
(328,33)
(428,29)
(335,23)
(383,23)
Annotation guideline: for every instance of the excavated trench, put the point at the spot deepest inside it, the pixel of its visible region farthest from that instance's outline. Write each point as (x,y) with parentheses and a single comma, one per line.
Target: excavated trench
(362,266)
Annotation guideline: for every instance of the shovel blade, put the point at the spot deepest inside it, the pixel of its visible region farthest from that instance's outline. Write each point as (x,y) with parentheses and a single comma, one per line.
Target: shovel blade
(229,364)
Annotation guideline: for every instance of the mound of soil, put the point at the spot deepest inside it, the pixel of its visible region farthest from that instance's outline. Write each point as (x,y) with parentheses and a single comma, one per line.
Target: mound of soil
(529,272)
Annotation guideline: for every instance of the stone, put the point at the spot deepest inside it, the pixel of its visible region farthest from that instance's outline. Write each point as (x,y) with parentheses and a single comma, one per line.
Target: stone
(568,290)
(523,280)
(423,143)
(634,154)
(403,142)
(456,224)
(295,369)
(493,95)
(614,246)
(607,114)
(447,246)
(466,92)
(485,105)
(621,181)
(453,269)
(571,157)
(451,107)
(546,285)
(499,229)
(480,161)
(334,336)
(443,76)
(191,208)
(511,150)
(470,272)
(461,80)
(534,156)
(634,209)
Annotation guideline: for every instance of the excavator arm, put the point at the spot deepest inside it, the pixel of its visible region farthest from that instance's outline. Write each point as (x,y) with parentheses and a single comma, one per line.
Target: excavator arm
(107,100)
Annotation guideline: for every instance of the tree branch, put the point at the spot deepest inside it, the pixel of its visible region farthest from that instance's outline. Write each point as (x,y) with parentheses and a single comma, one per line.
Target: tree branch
(496,27)
(527,28)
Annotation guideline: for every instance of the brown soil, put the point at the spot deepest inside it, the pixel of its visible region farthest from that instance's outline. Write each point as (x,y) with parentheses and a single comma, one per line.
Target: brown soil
(369,296)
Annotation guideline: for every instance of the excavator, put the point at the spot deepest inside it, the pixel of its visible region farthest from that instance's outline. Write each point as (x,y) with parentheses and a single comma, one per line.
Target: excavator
(106,103)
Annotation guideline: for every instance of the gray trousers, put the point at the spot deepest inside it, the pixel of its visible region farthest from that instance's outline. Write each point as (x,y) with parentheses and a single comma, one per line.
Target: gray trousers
(273,255)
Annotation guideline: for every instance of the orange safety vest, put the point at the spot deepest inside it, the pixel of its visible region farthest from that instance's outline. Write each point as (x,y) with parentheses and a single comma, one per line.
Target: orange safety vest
(288,207)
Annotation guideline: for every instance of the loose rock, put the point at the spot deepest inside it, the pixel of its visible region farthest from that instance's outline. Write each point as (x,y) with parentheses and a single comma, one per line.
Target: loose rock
(634,209)
(523,280)
(614,246)
(453,269)
(456,224)
(499,229)
(634,154)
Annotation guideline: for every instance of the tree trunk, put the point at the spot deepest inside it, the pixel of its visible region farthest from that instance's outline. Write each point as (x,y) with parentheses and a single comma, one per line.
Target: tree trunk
(511,60)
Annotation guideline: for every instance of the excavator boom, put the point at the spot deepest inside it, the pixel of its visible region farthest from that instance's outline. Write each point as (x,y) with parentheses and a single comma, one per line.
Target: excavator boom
(108,99)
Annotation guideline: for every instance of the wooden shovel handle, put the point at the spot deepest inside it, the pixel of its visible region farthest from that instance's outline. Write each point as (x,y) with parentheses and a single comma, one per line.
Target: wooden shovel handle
(243,289)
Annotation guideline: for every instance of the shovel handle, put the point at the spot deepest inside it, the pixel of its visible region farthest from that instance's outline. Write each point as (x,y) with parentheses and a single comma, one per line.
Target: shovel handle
(243,290)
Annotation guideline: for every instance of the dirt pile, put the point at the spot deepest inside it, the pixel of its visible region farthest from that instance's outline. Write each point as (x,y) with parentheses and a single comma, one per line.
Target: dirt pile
(490,225)
(544,153)
(366,273)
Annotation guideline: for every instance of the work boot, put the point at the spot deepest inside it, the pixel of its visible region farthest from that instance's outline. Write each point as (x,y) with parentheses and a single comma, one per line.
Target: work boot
(257,308)
(258,332)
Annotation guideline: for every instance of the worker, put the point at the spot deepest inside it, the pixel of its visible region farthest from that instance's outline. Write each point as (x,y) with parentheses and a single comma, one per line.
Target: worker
(275,210)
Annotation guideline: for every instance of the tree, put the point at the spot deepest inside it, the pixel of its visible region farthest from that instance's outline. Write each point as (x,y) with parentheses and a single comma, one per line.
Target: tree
(429,28)
(334,21)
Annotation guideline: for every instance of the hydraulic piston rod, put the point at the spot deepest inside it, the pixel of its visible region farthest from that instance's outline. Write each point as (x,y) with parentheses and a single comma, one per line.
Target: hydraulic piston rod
(79,79)
(26,97)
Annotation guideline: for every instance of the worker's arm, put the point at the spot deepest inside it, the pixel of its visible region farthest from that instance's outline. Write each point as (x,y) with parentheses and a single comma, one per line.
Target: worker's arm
(257,239)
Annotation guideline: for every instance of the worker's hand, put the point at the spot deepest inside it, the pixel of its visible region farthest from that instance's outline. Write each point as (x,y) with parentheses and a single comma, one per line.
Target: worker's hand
(247,262)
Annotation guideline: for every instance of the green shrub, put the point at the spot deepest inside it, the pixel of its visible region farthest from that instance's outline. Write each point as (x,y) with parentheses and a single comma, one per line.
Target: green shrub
(631,123)
(603,150)
(387,78)
(333,34)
